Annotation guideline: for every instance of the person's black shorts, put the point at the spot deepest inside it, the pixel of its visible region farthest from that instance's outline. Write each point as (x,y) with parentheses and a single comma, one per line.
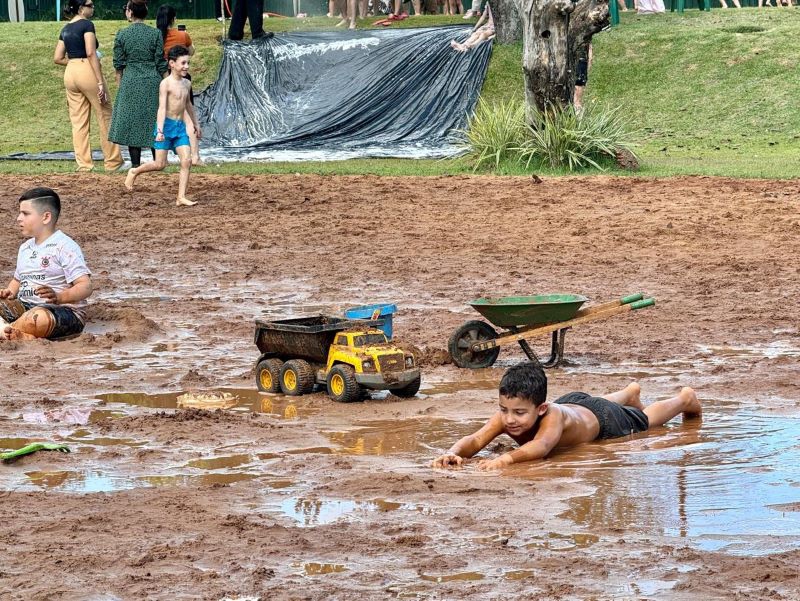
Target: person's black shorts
(615,420)
(66,320)
(582,72)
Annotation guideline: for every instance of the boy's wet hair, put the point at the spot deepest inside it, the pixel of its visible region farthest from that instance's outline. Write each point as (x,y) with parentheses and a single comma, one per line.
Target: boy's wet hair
(176,52)
(525,381)
(44,200)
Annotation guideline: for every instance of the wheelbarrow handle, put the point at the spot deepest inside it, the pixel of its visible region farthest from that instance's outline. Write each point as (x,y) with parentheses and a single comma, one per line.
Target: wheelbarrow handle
(625,300)
(647,302)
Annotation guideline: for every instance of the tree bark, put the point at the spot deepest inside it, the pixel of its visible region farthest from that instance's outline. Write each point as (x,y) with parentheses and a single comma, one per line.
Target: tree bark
(507,22)
(555,33)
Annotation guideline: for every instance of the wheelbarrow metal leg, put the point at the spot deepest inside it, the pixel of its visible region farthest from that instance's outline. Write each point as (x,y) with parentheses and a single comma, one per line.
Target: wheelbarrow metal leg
(556,348)
(529,352)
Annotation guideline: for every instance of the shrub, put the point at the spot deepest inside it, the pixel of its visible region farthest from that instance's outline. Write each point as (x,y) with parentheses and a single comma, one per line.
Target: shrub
(557,138)
(564,137)
(495,132)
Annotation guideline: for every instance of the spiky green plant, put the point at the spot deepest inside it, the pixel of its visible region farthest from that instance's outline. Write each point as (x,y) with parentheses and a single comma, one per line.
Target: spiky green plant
(495,132)
(564,137)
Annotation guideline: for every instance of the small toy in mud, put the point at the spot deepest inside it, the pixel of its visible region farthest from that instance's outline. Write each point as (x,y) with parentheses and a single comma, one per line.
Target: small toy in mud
(347,356)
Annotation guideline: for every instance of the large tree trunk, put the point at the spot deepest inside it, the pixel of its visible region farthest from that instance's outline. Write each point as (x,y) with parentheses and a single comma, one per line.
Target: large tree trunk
(555,33)
(507,22)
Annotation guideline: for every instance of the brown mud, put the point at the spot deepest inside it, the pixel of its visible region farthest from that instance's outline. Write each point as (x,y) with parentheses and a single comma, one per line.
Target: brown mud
(245,495)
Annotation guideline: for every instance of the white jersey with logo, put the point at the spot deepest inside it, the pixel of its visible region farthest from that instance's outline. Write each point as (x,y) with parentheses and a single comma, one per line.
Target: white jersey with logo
(57,262)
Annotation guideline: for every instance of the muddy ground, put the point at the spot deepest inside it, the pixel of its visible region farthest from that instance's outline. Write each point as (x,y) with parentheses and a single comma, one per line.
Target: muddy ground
(158,502)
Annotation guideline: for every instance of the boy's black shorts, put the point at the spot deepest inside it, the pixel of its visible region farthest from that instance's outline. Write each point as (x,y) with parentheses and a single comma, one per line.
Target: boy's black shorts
(615,420)
(66,320)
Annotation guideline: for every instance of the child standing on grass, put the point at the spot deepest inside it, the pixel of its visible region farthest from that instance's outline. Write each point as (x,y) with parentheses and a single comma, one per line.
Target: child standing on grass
(170,134)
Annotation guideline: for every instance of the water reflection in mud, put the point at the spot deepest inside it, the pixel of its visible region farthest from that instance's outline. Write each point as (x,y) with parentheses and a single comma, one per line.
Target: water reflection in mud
(308,512)
(417,436)
(91,481)
(232,399)
(718,483)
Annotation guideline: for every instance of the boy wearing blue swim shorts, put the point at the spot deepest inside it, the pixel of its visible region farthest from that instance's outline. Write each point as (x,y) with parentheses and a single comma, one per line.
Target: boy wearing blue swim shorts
(538,427)
(47,295)
(170,132)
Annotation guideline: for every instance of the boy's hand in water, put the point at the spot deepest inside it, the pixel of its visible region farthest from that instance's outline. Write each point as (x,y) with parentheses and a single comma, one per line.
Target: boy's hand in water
(47,294)
(495,464)
(448,460)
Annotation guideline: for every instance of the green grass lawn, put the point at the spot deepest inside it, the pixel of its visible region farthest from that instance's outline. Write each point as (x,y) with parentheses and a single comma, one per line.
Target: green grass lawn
(712,93)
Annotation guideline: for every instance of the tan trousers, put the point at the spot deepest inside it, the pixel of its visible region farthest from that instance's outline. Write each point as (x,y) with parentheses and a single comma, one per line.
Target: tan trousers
(81,85)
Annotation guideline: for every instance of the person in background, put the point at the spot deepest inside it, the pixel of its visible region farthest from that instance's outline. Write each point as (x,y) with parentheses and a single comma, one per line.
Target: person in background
(86,87)
(165,23)
(247,10)
(218,10)
(140,65)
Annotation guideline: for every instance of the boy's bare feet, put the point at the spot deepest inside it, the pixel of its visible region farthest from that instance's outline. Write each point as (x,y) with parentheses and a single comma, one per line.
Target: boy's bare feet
(185,202)
(342,22)
(130,178)
(634,394)
(10,333)
(692,406)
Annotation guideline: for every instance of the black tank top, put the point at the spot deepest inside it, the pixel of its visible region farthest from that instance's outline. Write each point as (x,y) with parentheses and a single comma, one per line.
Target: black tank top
(72,36)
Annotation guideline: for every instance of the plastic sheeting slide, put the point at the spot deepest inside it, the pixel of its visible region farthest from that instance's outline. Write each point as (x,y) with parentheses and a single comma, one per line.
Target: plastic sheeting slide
(338,94)
(333,95)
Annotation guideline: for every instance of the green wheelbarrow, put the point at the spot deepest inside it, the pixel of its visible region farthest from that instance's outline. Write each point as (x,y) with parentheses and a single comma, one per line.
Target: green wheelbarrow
(476,344)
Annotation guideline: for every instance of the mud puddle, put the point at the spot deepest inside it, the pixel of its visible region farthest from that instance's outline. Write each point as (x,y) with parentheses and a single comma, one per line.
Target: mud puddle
(419,437)
(308,512)
(233,399)
(94,481)
(723,484)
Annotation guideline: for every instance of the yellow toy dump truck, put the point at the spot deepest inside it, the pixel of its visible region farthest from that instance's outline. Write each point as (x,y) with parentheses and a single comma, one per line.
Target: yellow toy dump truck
(347,356)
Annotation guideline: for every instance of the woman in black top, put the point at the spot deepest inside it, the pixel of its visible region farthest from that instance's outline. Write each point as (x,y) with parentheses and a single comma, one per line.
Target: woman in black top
(86,87)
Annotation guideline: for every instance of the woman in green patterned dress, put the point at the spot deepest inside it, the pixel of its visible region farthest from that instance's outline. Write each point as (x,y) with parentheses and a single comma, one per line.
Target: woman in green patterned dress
(140,65)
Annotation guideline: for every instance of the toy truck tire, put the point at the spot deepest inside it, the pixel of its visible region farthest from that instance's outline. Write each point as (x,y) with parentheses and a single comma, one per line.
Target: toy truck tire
(409,389)
(268,375)
(342,385)
(297,377)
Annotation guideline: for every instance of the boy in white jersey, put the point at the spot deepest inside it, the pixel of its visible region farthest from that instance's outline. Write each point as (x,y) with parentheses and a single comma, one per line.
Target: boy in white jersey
(47,295)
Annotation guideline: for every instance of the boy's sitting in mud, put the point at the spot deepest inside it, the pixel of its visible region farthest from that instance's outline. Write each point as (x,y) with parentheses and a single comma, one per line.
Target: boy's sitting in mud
(46,296)
(539,427)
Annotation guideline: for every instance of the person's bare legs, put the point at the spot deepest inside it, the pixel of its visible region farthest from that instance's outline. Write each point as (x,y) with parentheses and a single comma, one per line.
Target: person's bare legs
(185,154)
(193,141)
(158,165)
(660,412)
(630,396)
(34,323)
(417,4)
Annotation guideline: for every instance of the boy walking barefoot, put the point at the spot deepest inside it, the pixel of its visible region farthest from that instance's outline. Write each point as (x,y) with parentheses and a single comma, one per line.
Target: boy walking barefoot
(538,427)
(170,134)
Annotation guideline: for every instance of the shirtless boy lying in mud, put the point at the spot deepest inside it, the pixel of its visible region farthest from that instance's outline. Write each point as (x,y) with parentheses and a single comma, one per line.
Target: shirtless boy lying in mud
(538,427)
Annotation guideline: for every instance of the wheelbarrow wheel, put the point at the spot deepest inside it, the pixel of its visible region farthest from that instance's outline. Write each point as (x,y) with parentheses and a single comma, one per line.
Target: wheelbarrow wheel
(342,384)
(461,341)
(297,377)
(268,375)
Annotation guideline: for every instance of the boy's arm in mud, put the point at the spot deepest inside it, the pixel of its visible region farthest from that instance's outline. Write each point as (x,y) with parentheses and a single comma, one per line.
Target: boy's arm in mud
(547,437)
(469,445)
